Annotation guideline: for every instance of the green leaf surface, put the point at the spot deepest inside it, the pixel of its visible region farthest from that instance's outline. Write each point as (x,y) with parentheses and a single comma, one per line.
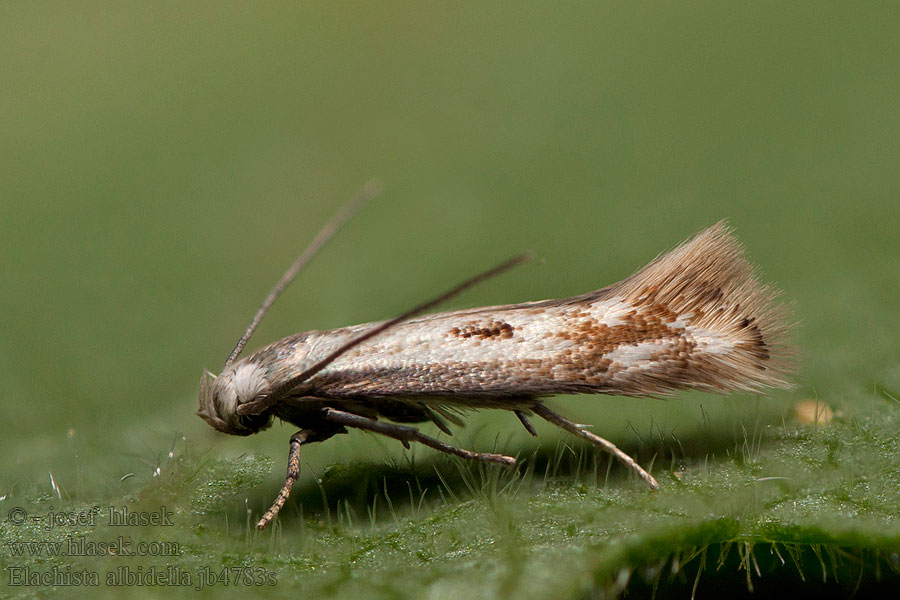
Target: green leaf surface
(162,163)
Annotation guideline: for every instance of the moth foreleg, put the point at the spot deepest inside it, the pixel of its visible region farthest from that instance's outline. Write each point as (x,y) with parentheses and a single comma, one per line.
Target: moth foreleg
(407,434)
(304,436)
(579,430)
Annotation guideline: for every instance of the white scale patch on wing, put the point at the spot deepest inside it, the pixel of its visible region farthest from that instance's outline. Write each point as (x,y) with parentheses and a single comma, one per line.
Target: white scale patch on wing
(711,342)
(700,302)
(429,341)
(611,312)
(637,356)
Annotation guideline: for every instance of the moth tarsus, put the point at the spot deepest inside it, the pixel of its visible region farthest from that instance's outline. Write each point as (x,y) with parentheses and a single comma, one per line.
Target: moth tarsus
(580,431)
(523,418)
(694,318)
(304,436)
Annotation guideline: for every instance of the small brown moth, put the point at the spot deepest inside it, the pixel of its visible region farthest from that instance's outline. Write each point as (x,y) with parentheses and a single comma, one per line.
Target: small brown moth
(694,318)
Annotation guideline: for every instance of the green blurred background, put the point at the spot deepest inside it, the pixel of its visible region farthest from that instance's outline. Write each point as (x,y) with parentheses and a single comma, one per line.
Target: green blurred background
(161,163)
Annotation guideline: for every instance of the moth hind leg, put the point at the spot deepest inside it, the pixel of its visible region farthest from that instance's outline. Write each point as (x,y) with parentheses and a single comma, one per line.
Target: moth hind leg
(523,419)
(409,412)
(580,431)
(407,434)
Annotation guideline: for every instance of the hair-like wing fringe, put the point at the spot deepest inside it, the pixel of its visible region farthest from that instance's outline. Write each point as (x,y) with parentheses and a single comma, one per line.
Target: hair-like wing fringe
(707,282)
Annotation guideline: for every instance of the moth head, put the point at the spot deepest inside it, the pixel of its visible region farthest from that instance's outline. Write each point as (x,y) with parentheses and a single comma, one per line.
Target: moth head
(241,384)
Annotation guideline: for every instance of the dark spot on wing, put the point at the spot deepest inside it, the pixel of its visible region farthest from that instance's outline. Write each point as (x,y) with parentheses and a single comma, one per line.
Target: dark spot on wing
(483,331)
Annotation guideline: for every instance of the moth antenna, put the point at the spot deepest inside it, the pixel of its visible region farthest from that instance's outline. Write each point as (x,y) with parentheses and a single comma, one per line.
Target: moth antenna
(369,191)
(295,381)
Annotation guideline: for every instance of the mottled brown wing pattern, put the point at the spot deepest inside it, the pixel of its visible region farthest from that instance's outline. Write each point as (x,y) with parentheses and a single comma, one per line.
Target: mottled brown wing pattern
(696,317)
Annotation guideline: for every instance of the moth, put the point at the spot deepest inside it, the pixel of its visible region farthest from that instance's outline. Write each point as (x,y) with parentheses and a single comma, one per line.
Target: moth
(696,317)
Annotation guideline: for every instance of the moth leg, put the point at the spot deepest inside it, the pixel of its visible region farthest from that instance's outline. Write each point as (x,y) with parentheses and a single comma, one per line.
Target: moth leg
(256,407)
(579,430)
(525,422)
(408,434)
(436,419)
(304,436)
(447,414)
